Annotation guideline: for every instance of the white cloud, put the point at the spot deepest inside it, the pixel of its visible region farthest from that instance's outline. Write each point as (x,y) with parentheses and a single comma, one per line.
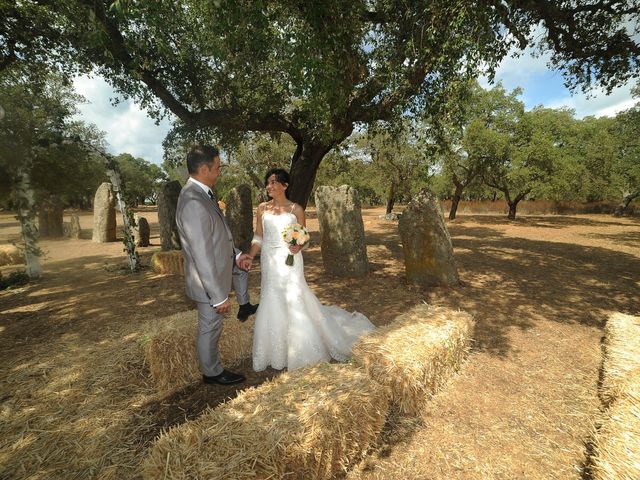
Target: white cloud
(597,103)
(128,128)
(543,86)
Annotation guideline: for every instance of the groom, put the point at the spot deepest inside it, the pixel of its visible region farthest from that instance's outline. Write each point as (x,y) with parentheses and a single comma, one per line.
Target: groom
(211,262)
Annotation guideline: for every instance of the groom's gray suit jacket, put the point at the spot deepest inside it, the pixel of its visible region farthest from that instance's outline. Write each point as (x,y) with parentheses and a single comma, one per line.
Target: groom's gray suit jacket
(207,246)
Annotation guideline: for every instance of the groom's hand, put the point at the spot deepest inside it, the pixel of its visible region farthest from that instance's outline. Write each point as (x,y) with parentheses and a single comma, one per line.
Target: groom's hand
(224,308)
(244,261)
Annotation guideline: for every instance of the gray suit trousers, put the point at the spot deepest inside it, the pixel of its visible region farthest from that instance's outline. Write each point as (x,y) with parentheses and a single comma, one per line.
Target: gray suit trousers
(210,326)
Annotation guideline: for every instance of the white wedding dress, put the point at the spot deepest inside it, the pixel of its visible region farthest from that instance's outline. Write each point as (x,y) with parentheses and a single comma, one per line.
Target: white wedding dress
(292,328)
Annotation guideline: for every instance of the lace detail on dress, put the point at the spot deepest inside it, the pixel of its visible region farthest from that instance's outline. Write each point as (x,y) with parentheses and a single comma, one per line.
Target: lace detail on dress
(293,329)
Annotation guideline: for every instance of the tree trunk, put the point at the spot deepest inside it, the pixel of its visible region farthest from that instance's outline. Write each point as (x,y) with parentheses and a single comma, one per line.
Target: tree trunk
(391,199)
(26,215)
(626,200)
(512,210)
(455,200)
(257,182)
(304,166)
(127,217)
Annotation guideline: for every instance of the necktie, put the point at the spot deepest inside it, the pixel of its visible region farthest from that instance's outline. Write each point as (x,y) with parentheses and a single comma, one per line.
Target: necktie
(211,196)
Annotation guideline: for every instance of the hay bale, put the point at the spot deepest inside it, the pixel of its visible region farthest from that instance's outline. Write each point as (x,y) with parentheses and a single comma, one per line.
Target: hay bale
(617,442)
(621,361)
(170,348)
(616,452)
(10,255)
(168,262)
(415,356)
(312,423)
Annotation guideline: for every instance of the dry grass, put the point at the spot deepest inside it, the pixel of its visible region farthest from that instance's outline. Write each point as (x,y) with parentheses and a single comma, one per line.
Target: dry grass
(416,354)
(168,262)
(170,348)
(312,423)
(76,409)
(76,399)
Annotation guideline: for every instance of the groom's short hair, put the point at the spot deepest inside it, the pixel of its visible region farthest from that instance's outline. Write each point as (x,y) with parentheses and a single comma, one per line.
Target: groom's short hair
(200,154)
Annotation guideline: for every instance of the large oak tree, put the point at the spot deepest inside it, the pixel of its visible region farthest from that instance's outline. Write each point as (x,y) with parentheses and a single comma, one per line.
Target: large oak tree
(313,70)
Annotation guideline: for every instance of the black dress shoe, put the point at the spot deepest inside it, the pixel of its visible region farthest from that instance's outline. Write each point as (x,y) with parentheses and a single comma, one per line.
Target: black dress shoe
(246,310)
(225,378)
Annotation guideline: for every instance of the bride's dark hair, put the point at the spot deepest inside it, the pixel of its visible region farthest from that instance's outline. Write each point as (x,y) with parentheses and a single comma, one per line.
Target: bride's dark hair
(282,177)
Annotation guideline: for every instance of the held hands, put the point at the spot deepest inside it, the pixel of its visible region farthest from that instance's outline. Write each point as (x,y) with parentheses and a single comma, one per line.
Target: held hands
(244,261)
(224,308)
(295,248)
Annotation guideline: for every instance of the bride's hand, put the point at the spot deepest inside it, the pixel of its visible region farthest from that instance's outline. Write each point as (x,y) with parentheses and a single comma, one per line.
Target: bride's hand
(295,248)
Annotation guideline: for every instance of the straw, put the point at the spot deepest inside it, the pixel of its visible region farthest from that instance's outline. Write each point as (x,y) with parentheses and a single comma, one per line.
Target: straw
(312,423)
(414,356)
(170,348)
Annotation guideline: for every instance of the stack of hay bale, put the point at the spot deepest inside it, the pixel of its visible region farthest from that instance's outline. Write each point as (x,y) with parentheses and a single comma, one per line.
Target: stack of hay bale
(617,440)
(168,262)
(417,354)
(316,422)
(170,348)
(10,255)
(307,424)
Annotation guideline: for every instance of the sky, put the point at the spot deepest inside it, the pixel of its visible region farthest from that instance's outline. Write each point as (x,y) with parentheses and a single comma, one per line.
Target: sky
(128,129)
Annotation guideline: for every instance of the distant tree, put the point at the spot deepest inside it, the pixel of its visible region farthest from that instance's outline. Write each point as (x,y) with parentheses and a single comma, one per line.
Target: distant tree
(314,70)
(625,171)
(38,140)
(141,179)
(582,168)
(400,159)
(477,134)
(348,165)
(526,159)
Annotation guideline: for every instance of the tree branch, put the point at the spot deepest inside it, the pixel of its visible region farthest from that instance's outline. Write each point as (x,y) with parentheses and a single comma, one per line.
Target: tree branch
(269,122)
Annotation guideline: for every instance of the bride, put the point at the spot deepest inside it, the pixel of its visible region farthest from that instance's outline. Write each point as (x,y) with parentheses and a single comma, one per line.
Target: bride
(292,328)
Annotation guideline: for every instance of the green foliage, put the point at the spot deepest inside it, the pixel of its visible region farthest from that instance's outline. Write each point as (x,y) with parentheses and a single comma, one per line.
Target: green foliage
(625,168)
(141,179)
(313,70)
(38,125)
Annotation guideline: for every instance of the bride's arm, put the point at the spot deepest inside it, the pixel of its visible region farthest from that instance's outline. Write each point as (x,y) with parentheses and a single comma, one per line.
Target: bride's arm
(256,243)
(299,213)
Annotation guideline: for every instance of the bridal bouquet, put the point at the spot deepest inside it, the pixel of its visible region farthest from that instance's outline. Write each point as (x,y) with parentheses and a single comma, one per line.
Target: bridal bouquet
(294,234)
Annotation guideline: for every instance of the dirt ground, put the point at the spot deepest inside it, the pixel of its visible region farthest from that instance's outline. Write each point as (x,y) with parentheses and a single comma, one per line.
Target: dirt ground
(76,400)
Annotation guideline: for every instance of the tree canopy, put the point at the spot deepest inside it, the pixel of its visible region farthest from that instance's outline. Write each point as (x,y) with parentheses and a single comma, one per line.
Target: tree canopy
(315,70)
(38,127)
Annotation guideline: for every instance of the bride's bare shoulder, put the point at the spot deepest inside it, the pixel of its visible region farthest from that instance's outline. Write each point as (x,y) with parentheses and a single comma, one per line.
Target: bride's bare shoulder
(264,206)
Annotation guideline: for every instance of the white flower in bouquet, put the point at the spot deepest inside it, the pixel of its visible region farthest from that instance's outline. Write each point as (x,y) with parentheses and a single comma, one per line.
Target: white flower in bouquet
(294,234)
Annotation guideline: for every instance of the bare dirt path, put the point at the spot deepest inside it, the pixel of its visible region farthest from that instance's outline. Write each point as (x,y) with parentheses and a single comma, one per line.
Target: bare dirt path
(75,401)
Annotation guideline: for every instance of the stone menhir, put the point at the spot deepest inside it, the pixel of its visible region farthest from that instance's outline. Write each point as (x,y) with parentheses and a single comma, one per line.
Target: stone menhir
(428,253)
(104,214)
(74,227)
(50,218)
(141,232)
(167,204)
(239,215)
(344,252)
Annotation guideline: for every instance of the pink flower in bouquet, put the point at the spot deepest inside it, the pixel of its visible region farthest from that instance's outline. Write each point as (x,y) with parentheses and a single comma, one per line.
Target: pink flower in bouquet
(294,234)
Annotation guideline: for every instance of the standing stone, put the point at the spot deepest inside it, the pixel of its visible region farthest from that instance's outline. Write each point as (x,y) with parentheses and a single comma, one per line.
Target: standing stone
(344,252)
(141,232)
(167,204)
(428,253)
(74,226)
(104,214)
(50,218)
(239,215)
